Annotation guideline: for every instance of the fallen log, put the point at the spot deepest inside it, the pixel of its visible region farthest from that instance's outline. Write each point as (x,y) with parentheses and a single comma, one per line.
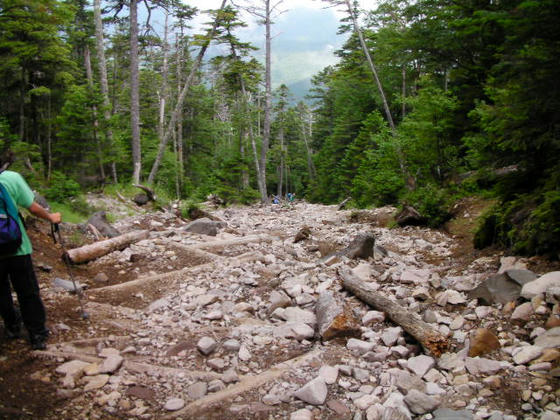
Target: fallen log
(98,249)
(431,339)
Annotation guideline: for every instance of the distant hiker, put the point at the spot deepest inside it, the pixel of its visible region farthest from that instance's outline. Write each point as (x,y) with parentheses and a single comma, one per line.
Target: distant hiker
(291,197)
(17,267)
(275,199)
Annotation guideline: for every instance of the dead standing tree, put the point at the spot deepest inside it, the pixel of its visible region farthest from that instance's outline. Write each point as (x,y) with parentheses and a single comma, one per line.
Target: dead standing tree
(181,98)
(266,10)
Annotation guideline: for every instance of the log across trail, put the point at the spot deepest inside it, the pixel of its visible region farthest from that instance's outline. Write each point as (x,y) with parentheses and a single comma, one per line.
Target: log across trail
(430,338)
(98,249)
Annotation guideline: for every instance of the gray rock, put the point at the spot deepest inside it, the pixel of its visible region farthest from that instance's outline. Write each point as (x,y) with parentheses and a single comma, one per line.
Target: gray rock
(302,331)
(95,382)
(231,345)
(498,288)
(100,222)
(295,314)
(303,414)
(478,365)
(527,353)
(391,335)
(397,407)
(111,364)
(549,339)
(420,365)
(244,353)
(203,226)
(230,376)
(74,287)
(540,285)
(359,346)
(197,390)
(174,404)
(420,403)
(314,392)
(216,364)
(329,374)
(278,300)
(373,317)
(448,414)
(216,385)
(206,345)
(406,381)
(523,312)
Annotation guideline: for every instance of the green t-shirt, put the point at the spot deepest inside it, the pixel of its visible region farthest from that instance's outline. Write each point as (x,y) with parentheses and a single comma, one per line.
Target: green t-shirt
(23,197)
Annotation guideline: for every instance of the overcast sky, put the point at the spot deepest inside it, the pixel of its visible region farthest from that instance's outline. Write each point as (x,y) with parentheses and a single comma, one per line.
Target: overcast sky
(304,36)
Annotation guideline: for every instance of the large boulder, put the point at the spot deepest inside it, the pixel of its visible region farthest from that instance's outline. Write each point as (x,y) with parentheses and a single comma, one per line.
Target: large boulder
(204,226)
(502,288)
(540,285)
(100,222)
(409,216)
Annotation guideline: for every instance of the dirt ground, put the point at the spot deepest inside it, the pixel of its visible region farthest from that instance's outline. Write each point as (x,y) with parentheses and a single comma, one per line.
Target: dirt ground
(28,388)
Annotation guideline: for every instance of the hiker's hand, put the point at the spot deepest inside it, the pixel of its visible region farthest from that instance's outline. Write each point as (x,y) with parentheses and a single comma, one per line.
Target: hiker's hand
(55,218)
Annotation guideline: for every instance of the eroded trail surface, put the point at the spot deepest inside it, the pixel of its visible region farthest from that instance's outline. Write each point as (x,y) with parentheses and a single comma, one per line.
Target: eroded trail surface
(187,325)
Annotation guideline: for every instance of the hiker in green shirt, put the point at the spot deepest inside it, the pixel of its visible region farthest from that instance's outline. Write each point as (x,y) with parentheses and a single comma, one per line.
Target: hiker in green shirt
(17,268)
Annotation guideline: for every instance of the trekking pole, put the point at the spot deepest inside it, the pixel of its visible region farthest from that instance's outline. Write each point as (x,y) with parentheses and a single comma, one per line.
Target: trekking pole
(55,230)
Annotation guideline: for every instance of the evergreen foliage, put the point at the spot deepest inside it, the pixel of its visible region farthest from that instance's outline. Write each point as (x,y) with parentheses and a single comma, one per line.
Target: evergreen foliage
(472,87)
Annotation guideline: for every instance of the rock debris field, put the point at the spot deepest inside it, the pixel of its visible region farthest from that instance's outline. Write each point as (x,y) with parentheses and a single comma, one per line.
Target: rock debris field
(247,316)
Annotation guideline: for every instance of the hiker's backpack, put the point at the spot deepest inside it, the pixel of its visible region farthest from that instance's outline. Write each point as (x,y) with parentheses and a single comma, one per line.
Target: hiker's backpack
(10,232)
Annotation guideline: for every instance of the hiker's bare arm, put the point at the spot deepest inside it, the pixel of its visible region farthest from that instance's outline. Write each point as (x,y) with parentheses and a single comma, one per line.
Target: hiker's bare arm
(37,210)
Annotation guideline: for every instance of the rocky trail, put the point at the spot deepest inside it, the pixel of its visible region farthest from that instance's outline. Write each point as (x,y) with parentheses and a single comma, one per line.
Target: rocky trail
(247,317)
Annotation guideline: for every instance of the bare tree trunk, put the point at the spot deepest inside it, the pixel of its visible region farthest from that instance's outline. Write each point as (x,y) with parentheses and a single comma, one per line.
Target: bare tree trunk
(190,79)
(134,94)
(267,102)
(281,175)
(164,85)
(104,84)
(310,164)
(89,76)
(371,64)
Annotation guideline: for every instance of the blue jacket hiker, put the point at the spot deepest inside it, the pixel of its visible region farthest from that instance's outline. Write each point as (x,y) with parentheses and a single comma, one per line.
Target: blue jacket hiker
(17,268)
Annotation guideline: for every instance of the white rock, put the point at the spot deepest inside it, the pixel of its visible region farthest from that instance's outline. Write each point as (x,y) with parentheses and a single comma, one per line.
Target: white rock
(73,368)
(359,346)
(314,392)
(457,323)
(527,353)
(420,365)
(363,271)
(391,335)
(434,389)
(540,285)
(373,317)
(365,401)
(395,401)
(303,414)
(174,404)
(415,276)
(302,331)
(329,374)
(483,311)
(297,315)
(244,353)
(523,311)
(477,365)
(549,339)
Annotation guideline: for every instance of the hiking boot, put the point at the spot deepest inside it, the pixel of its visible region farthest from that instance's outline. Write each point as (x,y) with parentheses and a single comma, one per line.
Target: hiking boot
(38,342)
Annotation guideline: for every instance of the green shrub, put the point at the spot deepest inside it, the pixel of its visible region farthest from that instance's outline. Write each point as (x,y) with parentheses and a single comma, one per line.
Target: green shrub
(433,203)
(61,187)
